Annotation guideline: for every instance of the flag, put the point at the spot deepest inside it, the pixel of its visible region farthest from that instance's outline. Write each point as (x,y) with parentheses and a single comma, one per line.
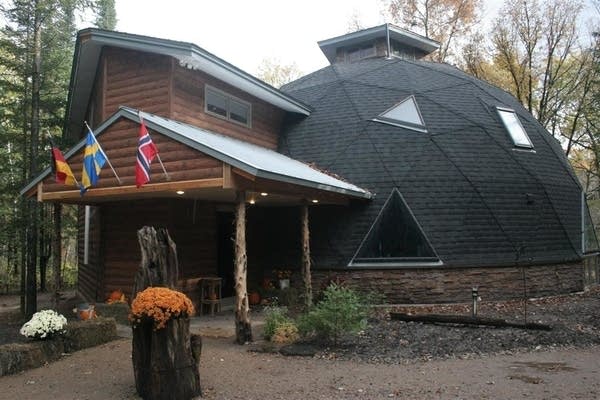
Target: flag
(61,170)
(146,152)
(93,160)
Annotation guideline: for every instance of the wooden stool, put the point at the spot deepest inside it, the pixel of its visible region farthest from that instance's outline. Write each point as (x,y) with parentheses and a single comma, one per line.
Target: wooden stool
(210,294)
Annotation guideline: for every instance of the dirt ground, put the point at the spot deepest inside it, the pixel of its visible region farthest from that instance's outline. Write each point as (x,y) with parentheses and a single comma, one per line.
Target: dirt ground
(391,359)
(229,371)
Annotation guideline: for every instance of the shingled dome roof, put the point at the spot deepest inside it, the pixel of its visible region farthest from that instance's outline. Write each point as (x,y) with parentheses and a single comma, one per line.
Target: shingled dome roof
(473,193)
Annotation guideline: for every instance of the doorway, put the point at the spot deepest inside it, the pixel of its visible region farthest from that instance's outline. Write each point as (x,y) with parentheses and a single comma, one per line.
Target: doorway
(225,251)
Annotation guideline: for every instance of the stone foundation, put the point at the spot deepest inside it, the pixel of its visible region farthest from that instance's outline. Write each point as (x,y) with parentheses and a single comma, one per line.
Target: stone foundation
(453,285)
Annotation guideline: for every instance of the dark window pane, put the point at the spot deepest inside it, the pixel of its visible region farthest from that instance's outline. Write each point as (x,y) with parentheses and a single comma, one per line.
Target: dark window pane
(239,112)
(216,103)
(395,234)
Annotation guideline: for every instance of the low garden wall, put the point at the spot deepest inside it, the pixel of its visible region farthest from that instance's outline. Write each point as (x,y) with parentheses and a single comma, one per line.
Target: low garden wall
(17,357)
(453,285)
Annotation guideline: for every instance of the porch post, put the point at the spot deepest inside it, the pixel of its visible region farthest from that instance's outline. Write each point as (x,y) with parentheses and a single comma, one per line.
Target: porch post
(243,329)
(306,275)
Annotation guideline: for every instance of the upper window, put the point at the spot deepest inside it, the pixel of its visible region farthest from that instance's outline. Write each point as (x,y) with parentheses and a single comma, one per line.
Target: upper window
(226,106)
(405,114)
(515,129)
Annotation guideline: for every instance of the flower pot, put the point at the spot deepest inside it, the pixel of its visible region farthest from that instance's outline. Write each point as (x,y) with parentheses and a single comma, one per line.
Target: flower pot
(254,298)
(284,284)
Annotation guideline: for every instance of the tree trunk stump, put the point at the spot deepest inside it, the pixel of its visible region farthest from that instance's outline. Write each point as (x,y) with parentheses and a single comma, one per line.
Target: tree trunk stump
(166,361)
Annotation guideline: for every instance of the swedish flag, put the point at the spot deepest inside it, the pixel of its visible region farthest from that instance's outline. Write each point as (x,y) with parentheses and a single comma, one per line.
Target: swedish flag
(93,160)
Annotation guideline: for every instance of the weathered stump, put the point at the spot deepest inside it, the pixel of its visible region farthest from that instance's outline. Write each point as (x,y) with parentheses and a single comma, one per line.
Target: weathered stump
(165,363)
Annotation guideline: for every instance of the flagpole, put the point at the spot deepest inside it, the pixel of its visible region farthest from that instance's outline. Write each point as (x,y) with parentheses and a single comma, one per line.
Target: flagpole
(157,153)
(49,137)
(105,156)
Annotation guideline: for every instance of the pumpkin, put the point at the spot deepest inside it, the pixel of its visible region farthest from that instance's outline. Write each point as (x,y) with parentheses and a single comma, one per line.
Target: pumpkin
(254,298)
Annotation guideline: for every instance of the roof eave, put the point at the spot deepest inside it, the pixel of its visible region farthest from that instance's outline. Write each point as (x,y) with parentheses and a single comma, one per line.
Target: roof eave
(215,66)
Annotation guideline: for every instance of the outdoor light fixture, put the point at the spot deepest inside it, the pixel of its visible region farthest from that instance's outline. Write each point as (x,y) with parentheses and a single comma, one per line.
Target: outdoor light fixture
(252,201)
(263,194)
(180,192)
(315,201)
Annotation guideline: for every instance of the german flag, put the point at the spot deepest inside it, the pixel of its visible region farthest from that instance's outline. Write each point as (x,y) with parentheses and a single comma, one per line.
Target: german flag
(61,170)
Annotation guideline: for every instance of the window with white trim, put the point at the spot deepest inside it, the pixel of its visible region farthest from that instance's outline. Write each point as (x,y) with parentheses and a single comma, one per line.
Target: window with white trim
(515,129)
(405,114)
(223,105)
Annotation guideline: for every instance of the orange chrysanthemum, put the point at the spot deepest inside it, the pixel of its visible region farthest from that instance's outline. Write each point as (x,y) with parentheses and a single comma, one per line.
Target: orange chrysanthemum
(160,304)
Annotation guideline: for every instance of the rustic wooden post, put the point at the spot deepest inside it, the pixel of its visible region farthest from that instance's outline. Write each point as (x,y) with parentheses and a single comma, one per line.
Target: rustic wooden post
(166,360)
(243,329)
(306,275)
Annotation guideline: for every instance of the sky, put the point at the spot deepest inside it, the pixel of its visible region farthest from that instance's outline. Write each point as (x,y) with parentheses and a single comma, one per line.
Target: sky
(244,32)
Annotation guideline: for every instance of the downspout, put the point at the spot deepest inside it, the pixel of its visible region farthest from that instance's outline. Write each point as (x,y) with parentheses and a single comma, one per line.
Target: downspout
(387,38)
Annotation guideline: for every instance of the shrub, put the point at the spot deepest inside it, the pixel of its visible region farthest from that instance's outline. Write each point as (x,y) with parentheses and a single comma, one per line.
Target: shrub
(340,312)
(285,333)
(275,316)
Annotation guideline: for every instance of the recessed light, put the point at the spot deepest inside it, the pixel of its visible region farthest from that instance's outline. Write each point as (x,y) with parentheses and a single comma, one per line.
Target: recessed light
(315,201)
(180,192)
(264,194)
(252,201)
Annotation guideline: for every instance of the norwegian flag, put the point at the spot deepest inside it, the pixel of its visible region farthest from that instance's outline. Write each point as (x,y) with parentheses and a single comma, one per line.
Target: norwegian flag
(146,152)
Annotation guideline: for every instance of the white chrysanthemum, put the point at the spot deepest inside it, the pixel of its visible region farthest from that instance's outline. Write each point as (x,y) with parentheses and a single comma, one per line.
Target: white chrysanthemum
(43,324)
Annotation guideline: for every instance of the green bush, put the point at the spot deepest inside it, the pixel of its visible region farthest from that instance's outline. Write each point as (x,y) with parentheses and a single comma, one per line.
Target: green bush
(342,311)
(275,316)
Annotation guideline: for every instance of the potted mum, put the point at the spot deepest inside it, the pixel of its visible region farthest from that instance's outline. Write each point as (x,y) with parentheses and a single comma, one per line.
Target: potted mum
(164,362)
(44,325)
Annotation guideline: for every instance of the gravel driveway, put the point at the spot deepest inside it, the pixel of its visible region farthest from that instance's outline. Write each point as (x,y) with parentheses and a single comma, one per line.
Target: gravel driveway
(391,359)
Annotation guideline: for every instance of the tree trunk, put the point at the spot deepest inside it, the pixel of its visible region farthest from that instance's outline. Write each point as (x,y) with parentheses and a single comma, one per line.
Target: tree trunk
(57,251)
(467,320)
(306,264)
(159,265)
(243,329)
(31,285)
(165,361)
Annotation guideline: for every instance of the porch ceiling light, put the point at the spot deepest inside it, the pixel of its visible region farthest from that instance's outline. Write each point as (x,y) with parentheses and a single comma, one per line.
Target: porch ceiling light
(315,201)
(252,201)
(263,194)
(180,192)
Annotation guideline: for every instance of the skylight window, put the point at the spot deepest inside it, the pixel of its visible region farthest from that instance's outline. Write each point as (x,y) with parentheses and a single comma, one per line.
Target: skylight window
(515,129)
(405,114)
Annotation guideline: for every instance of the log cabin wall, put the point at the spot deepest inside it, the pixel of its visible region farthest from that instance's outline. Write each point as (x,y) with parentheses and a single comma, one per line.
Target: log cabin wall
(120,143)
(188,106)
(90,275)
(191,225)
(135,79)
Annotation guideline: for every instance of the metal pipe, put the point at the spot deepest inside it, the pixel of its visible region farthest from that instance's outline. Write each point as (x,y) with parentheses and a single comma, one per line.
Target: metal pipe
(475,296)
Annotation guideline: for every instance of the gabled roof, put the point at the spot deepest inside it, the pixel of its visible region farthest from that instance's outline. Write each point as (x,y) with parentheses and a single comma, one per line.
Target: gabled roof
(252,159)
(89,46)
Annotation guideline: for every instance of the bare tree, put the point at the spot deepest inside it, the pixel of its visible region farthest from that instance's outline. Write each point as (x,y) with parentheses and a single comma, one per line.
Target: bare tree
(446,21)
(275,73)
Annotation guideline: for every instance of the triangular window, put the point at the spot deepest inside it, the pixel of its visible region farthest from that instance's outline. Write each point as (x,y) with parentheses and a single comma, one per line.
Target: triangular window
(395,237)
(405,114)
